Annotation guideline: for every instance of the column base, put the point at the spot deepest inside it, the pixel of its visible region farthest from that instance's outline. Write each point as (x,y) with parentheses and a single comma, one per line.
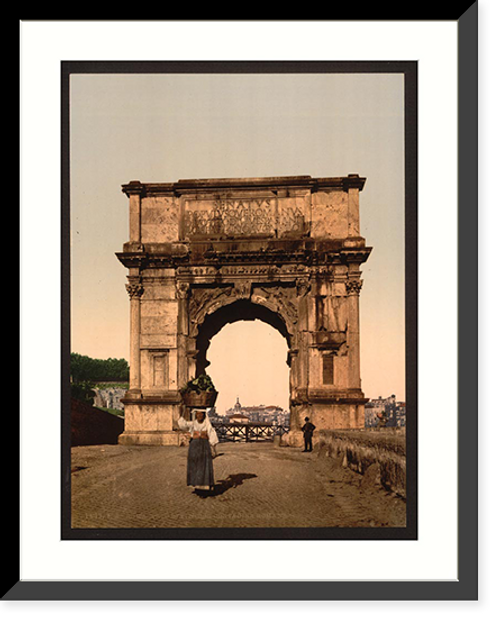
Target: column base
(294,438)
(326,417)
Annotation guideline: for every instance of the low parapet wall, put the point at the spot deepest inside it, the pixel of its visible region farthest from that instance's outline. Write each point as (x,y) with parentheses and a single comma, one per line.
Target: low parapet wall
(379,455)
(92,426)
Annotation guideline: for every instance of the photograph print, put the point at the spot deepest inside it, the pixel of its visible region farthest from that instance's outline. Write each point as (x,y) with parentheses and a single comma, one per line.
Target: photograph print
(239,290)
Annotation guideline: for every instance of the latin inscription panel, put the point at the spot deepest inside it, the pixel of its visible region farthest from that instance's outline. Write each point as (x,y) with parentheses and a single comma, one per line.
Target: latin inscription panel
(245,217)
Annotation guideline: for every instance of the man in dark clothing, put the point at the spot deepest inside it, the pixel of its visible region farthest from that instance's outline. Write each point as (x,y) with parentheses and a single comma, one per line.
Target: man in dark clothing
(308,429)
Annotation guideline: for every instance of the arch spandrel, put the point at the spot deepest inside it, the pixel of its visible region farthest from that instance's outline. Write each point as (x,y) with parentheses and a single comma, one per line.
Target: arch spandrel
(279,300)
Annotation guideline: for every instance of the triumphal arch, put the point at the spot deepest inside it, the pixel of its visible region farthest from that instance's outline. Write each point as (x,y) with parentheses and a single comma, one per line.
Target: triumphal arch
(205,252)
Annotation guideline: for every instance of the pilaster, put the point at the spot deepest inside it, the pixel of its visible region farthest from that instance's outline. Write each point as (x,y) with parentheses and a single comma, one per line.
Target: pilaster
(135,291)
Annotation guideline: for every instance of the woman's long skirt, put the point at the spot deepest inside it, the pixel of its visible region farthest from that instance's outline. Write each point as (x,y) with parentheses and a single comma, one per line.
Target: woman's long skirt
(200,470)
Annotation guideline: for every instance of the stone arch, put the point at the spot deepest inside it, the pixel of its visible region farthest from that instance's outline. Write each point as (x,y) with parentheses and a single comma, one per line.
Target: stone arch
(234,311)
(206,252)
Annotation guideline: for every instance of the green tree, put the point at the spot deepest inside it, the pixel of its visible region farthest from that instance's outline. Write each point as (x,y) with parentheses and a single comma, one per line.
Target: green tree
(83,391)
(86,369)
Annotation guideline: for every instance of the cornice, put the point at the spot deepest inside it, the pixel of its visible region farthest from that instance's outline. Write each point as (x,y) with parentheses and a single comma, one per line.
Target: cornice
(272,184)
(148,258)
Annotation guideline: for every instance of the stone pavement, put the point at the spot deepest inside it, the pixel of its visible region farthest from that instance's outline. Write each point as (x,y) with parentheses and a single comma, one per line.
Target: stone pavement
(257,485)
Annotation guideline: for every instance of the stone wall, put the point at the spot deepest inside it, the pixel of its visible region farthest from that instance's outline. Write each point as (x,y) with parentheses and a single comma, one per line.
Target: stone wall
(110,397)
(378,455)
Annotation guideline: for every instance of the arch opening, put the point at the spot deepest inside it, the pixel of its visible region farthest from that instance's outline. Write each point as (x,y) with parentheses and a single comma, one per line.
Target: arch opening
(240,310)
(248,364)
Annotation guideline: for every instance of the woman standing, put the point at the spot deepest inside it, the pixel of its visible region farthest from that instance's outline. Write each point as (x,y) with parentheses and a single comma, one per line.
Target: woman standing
(200,471)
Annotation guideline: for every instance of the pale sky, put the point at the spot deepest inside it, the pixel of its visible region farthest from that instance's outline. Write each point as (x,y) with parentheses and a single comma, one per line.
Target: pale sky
(162,128)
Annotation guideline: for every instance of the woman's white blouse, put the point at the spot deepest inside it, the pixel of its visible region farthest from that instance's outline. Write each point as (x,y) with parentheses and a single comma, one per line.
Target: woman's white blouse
(195,426)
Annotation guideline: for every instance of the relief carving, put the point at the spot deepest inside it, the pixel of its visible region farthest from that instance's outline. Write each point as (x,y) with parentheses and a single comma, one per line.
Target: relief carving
(330,314)
(242,289)
(197,271)
(282,299)
(303,286)
(182,290)
(202,299)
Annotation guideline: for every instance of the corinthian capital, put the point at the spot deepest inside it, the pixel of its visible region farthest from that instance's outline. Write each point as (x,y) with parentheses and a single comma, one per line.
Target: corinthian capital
(134,288)
(353,286)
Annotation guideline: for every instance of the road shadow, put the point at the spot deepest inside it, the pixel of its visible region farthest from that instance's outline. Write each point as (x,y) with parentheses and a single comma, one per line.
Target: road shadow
(75,469)
(232,481)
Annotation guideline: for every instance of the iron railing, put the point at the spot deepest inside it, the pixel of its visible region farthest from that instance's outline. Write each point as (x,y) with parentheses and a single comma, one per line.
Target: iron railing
(248,432)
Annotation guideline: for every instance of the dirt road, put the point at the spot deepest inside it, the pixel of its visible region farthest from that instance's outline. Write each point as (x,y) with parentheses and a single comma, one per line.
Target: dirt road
(257,485)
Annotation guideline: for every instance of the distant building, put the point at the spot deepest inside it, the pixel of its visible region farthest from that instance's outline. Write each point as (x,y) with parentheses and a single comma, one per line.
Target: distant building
(110,397)
(235,410)
(238,418)
(274,415)
(385,412)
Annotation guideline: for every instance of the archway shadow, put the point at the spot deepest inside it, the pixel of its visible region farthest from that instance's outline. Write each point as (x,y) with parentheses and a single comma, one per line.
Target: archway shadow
(232,481)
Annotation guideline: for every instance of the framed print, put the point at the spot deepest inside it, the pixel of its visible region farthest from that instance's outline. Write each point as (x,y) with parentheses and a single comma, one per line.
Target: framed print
(211,261)
(253,337)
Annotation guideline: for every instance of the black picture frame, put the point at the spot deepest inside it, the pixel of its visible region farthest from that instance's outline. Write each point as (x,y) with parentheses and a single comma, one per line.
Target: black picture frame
(466,588)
